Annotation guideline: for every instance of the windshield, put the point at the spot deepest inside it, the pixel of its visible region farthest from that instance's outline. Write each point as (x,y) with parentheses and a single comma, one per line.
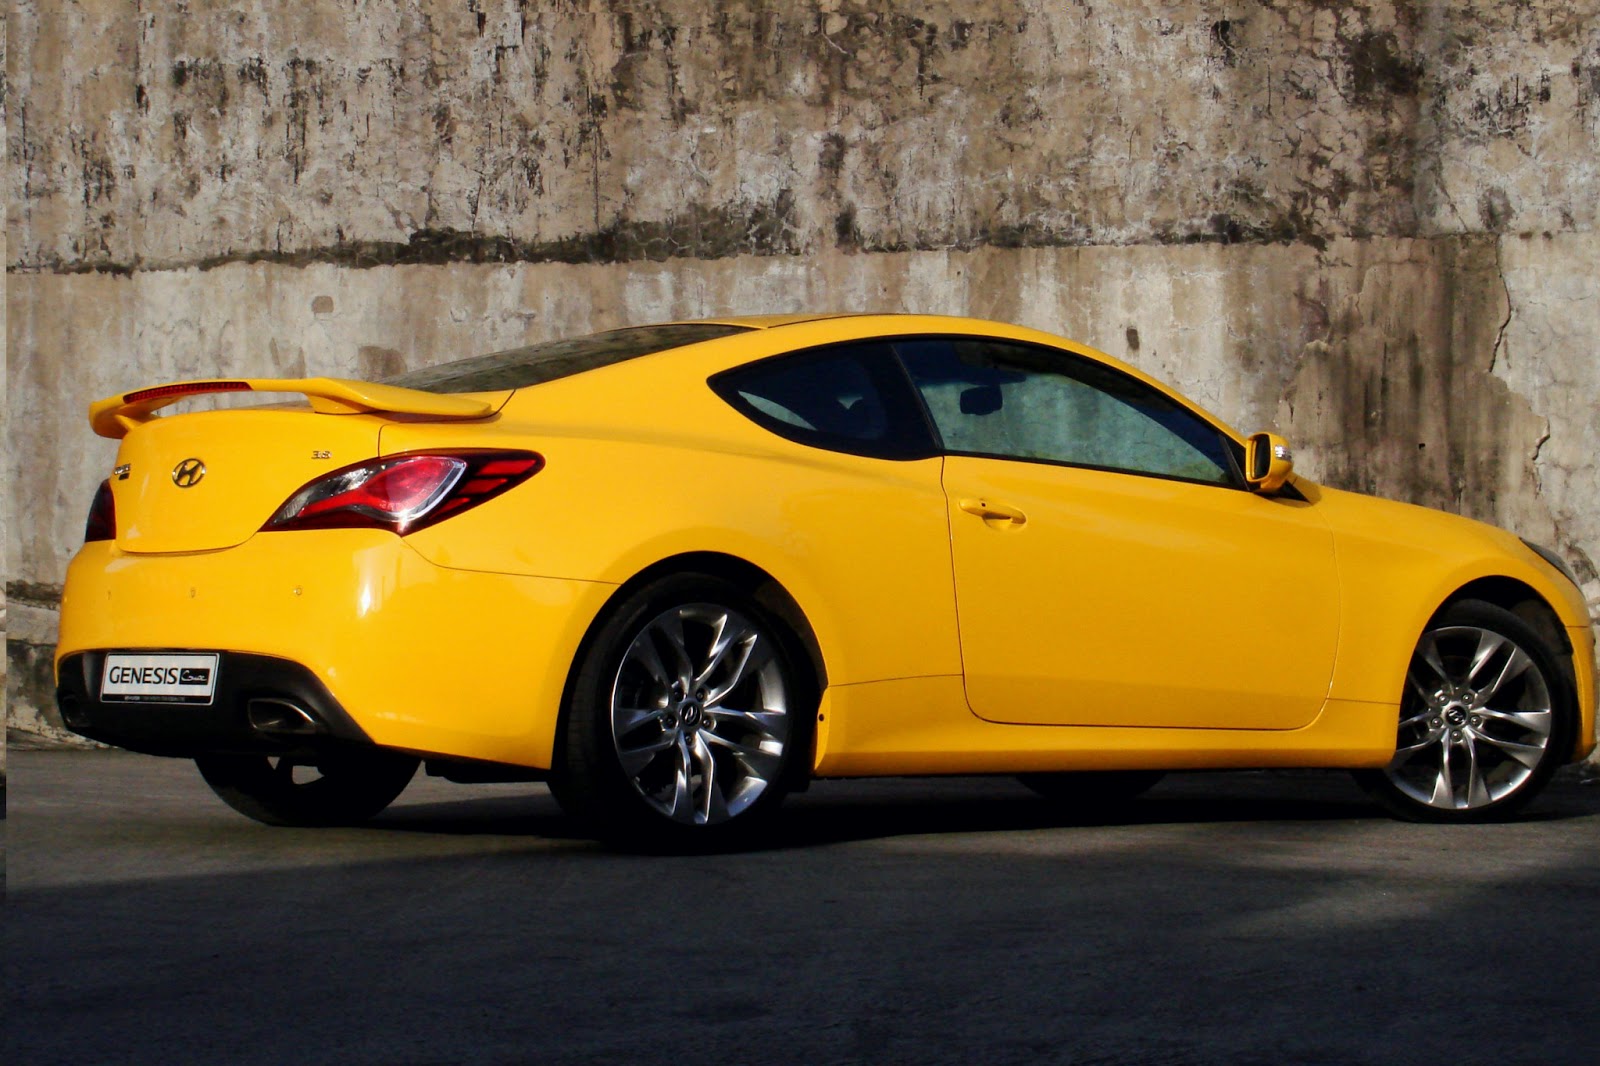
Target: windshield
(538,363)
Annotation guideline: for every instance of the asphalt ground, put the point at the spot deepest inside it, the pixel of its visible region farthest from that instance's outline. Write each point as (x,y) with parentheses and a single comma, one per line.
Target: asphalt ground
(1224,918)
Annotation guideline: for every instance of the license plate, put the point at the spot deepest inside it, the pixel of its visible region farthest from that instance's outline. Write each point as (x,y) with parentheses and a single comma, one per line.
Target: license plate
(159,678)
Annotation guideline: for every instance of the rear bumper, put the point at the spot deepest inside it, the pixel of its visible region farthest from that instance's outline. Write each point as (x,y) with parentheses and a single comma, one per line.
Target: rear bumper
(245,715)
(393,649)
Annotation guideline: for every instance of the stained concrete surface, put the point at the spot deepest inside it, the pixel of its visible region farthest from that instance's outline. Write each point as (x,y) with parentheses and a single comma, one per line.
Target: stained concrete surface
(1230,918)
(498,130)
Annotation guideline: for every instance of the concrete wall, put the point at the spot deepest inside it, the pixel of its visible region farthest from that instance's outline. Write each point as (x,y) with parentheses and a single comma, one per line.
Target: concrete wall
(1370,226)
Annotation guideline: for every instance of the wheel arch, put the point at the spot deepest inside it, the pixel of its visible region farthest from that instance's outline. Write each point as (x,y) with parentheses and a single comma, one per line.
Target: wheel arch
(766,590)
(1373,657)
(1523,601)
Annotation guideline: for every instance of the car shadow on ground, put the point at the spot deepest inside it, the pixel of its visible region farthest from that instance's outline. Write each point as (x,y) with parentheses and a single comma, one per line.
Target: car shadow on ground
(840,812)
(1223,919)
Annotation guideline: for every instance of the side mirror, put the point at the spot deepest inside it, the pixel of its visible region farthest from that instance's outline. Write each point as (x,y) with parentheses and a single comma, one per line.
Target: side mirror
(1267,462)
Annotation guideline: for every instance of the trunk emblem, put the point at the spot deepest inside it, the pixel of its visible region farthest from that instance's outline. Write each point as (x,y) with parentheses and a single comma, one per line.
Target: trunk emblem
(187,474)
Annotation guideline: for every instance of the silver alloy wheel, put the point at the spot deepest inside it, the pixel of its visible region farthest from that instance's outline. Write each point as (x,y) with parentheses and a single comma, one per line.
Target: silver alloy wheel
(1475,720)
(699,713)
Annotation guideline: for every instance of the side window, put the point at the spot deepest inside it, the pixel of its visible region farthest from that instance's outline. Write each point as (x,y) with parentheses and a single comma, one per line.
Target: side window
(1021,402)
(847,398)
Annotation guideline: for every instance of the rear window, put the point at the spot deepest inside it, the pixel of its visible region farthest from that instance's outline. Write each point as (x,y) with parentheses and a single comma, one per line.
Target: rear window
(538,363)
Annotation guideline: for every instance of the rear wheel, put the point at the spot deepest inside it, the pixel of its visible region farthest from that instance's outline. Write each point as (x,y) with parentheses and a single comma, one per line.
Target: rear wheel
(342,788)
(686,718)
(1089,789)
(1485,719)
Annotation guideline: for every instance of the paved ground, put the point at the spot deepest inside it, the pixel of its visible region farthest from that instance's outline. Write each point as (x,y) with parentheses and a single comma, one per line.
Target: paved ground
(1231,918)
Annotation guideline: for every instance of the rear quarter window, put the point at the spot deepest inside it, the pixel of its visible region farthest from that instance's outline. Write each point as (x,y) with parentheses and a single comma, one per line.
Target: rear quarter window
(850,398)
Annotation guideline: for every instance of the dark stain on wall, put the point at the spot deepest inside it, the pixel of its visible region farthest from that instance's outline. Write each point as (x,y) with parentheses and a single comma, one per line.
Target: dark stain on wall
(1395,401)
(1507,110)
(1379,68)
(375,363)
(30,667)
(1494,210)
(31,678)
(96,171)
(253,72)
(203,82)
(845,232)
(1586,75)
(698,232)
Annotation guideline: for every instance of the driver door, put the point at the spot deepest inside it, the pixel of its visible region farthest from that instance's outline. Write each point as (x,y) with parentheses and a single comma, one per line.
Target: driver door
(1111,568)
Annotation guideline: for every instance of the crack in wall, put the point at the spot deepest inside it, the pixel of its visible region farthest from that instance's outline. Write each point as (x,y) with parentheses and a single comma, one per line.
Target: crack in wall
(1533,460)
(1505,323)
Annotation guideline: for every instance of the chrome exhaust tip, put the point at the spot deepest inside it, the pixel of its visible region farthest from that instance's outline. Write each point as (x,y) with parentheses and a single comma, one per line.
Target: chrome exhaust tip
(270,714)
(71,712)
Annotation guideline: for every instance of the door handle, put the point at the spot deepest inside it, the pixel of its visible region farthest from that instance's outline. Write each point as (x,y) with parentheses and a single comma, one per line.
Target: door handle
(990,511)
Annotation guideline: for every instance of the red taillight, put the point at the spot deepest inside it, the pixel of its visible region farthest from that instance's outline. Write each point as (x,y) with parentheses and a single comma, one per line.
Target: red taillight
(404,493)
(102,524)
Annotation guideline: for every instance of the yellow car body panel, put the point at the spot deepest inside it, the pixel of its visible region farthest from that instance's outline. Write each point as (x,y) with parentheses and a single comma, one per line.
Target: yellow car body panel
(458,639)
(425,658)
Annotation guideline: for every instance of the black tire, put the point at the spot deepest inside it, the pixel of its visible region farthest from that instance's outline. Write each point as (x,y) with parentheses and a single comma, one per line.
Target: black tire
(1093,789)
(343,788)
(693,755)
(1486,717)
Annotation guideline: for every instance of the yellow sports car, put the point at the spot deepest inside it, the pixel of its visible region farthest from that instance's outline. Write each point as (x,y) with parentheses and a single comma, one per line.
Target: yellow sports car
(680,570)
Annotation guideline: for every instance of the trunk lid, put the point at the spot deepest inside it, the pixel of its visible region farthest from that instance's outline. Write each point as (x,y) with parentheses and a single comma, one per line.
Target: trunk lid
(209,480)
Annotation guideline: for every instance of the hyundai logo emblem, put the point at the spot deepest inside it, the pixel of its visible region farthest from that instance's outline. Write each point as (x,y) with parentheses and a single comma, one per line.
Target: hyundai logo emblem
(187,474)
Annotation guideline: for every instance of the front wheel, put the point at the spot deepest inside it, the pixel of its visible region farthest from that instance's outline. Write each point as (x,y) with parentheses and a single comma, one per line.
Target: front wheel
(1485,719)
(686,717)
(340,788)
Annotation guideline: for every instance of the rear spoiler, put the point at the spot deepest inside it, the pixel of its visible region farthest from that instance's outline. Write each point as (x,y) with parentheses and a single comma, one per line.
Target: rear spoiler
(115,415)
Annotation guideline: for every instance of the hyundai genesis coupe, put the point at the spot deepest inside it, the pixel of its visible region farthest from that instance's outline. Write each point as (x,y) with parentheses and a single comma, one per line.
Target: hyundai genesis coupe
(678,571)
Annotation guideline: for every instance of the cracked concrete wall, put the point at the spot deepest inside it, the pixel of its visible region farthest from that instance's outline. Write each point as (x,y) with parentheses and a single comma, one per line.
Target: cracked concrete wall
(1369,225)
